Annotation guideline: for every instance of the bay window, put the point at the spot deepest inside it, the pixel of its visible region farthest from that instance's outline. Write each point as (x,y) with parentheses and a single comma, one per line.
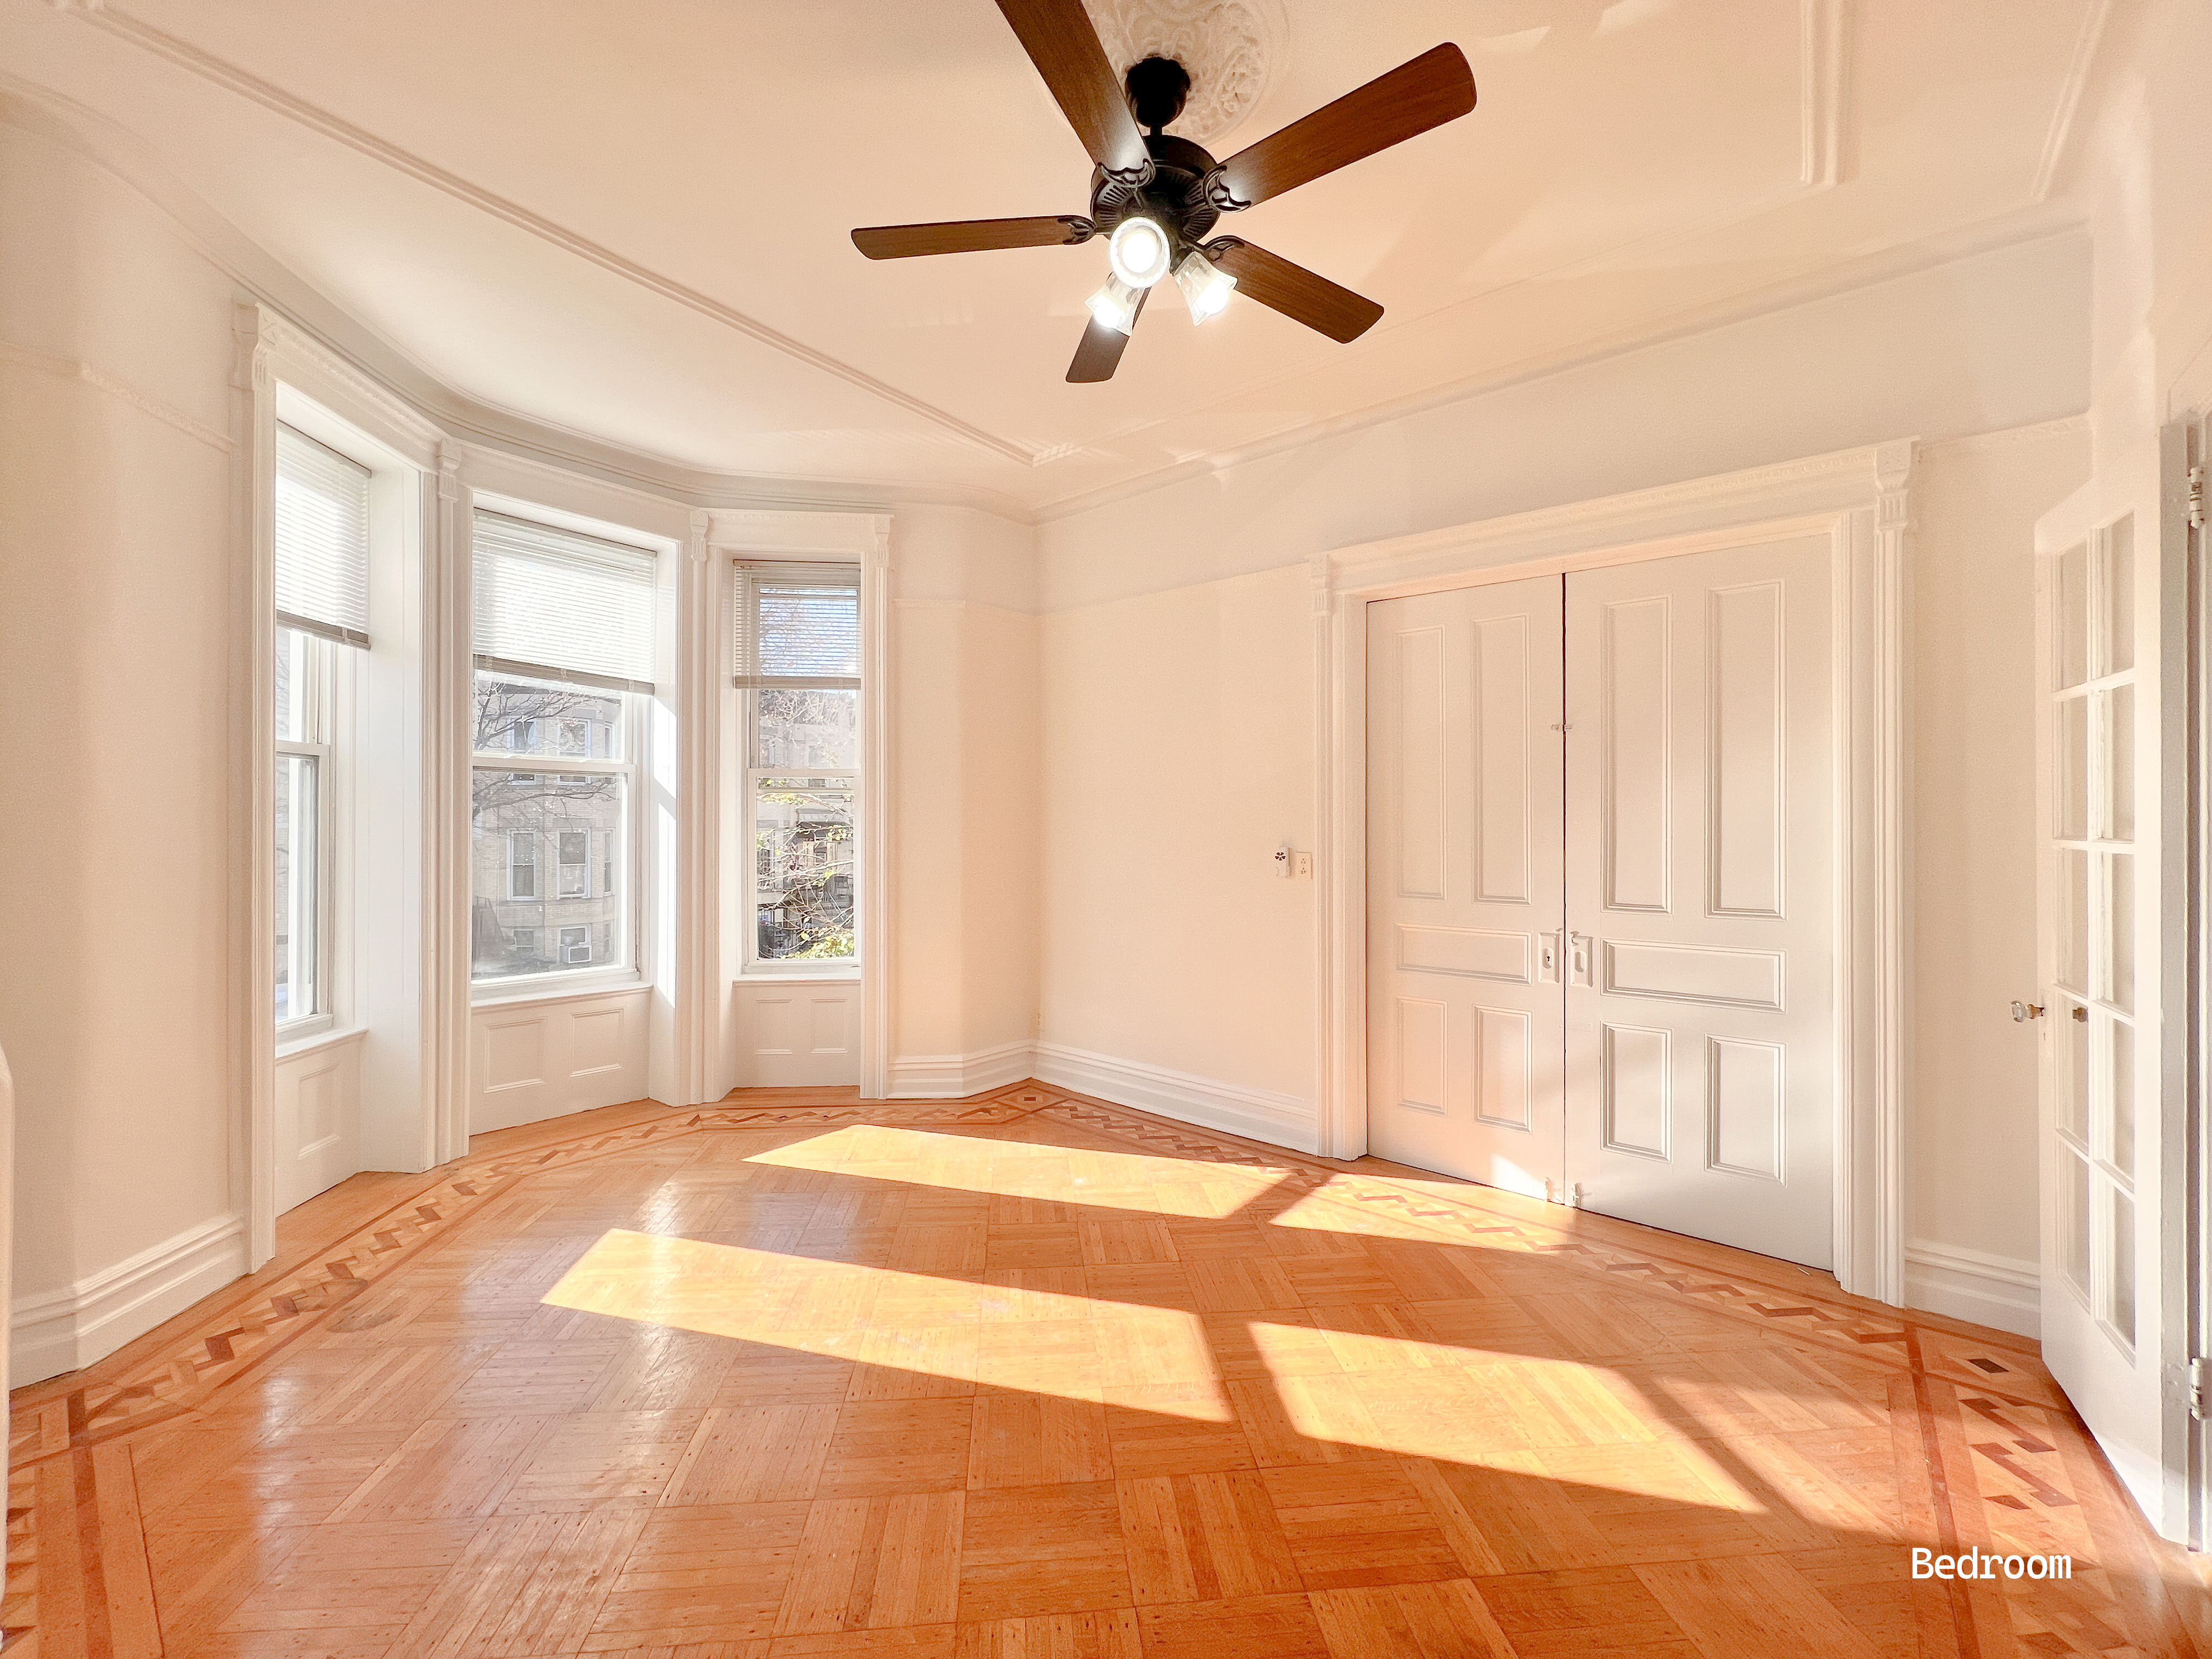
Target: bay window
(797,664)
(563,649)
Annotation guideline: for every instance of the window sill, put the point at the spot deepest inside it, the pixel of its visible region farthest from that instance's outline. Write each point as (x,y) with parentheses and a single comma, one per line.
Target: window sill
(789,976)
(294,1044)
(553,988)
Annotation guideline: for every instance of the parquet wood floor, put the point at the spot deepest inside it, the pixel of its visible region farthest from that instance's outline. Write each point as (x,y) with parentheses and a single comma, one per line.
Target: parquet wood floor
(1031,1377)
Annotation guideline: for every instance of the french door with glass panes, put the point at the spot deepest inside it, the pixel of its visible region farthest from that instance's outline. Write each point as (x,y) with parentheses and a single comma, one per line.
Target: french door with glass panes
(2098,934)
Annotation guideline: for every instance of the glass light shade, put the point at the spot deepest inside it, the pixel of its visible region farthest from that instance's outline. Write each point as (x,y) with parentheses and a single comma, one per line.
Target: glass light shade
(1139,251)
(1115,305)
(1206,287)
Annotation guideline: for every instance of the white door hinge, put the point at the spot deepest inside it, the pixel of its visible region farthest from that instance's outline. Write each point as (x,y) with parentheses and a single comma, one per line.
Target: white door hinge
(2197,498)
(2200,1396)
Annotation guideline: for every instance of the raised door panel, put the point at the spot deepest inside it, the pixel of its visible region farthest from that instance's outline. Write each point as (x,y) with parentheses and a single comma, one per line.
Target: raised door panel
(1422,772)
(1746,709)
(1634,641)
(1502,730)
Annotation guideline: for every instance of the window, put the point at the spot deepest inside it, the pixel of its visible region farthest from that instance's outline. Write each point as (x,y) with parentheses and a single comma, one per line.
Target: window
(798,662)
(575,862)
(563,625)
(321,601)
(521,855)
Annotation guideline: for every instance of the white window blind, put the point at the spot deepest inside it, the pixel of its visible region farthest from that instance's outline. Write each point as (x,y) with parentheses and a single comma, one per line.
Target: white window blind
(558,605)
(322,540)
(799,625)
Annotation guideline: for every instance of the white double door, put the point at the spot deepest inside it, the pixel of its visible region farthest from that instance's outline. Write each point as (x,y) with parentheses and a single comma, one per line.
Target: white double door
(1601,892)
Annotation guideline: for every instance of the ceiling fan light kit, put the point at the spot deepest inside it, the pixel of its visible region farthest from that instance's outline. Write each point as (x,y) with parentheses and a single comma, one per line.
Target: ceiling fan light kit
(1116,305)
(1206,287)
(1139,251)
(1156,197)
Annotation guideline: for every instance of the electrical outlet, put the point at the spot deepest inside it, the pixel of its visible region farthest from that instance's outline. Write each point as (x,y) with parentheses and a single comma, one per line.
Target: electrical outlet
(1302,865)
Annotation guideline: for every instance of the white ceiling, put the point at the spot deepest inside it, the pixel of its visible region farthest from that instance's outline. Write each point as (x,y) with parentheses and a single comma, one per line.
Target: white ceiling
(631,221)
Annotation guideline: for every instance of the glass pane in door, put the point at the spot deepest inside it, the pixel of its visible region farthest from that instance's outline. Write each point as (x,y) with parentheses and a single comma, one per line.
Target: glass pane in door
(2072,654)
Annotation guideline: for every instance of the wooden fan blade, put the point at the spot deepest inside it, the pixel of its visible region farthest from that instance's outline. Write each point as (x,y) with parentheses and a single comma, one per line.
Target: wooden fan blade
(967,236)
(1433,89)
(1059,40)
(1100,352)
(1296,292)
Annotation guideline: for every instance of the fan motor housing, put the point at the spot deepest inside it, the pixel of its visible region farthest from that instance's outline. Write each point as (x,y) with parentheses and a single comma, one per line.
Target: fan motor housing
(1176,194)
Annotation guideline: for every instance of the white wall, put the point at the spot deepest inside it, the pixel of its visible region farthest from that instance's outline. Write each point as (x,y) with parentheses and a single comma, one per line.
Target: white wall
(1178,742)
(966,794)
(1972,1245)
(1178,696)
(116,915)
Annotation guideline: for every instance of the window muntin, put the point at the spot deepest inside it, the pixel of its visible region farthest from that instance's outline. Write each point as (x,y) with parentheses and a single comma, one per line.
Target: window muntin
(552,861)
(797,666)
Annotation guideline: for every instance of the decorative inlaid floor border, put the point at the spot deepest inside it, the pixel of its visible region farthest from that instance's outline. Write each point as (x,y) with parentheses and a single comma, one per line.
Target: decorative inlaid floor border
(61,1438)
(1818,1311)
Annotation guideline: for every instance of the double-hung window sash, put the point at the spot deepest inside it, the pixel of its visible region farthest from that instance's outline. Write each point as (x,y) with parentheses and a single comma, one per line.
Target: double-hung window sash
(557,605)
(322,540)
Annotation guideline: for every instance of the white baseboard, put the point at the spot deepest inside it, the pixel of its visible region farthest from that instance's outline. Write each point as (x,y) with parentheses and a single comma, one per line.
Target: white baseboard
(56,1330)
(2000,1290)
(1255,1113)
(949,1076)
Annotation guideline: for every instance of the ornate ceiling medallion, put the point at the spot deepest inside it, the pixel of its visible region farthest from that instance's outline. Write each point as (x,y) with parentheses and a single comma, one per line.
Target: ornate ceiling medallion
(1229,46)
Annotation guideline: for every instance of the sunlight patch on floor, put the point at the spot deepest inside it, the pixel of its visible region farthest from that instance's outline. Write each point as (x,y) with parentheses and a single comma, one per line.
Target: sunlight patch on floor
(1352,1204)
(1039,1341)
(1053,1175)
(1473,1407)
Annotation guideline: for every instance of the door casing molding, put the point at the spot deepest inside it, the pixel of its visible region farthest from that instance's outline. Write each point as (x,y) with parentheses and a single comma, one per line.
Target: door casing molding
(1860,501)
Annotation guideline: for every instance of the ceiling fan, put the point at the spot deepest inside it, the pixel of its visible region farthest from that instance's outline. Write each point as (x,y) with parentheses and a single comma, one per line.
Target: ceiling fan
(1156,197)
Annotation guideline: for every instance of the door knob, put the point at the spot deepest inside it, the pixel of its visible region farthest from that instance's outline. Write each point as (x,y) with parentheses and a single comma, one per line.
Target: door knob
(2022,1012)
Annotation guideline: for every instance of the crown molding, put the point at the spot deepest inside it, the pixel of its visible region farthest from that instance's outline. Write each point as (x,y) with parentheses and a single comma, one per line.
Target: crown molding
(1824,42)
(347,348)
(2005,437)
(218,71)
(2058,136)
(2023,230)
